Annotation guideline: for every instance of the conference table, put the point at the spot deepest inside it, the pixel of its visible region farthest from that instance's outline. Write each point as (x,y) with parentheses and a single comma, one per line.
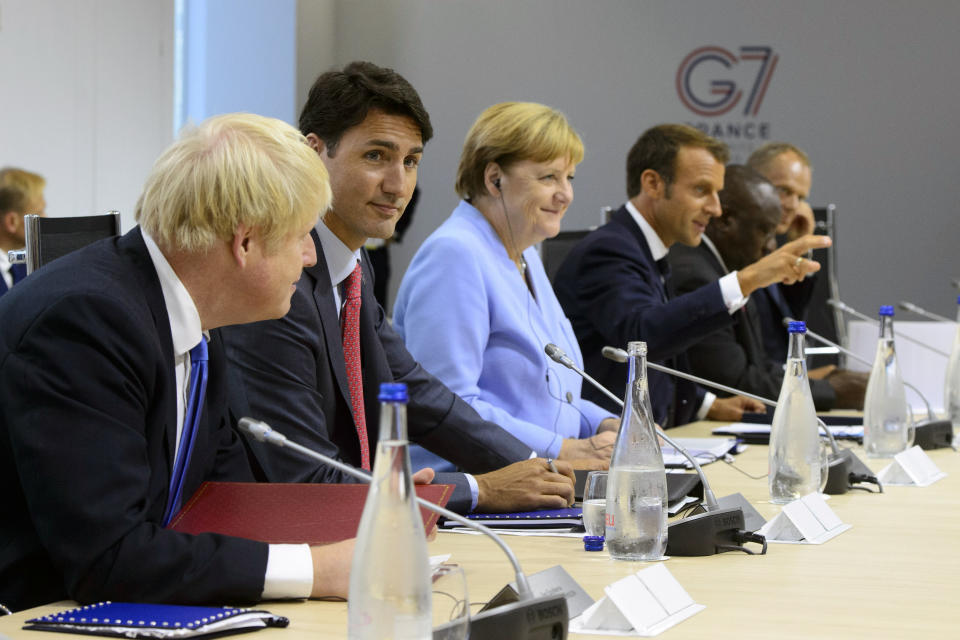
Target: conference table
(894,574)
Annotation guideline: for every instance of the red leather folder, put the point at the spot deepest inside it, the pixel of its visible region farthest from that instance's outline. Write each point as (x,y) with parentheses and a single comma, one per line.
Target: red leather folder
(288,513)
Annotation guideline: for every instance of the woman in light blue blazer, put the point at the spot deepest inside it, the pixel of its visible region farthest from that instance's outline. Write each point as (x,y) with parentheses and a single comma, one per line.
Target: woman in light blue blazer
(476,309)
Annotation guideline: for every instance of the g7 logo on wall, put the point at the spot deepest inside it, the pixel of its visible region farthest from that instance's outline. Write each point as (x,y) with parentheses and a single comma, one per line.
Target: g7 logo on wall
(707,79)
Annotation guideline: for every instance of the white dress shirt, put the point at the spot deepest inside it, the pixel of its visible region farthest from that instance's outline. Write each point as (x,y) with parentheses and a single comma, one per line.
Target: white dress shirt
(289,571)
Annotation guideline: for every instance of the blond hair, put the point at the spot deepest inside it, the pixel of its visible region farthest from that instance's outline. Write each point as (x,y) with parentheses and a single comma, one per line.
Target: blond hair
(510,132)
(22,189)
(231,170)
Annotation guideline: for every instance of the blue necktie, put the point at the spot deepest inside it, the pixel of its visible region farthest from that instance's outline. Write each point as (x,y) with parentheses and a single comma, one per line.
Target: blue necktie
(18,271)
(191,422)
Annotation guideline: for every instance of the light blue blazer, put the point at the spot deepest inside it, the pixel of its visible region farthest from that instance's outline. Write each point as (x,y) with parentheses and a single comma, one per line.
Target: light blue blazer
(467,316)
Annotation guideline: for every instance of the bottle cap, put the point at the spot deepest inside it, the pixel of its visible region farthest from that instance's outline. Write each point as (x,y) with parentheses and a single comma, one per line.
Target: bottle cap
(797,326)
(593,543)
(886,310)
(393,392)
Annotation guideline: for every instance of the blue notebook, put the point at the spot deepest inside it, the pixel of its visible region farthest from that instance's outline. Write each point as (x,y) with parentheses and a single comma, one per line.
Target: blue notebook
(130,620)
(546,518)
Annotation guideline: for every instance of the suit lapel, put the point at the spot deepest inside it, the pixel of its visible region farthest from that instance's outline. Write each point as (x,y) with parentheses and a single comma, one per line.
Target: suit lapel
(135,249)
(329,319)
(623,217)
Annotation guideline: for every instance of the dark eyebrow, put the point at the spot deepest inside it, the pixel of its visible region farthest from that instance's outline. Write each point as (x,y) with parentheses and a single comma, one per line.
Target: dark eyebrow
(393,146)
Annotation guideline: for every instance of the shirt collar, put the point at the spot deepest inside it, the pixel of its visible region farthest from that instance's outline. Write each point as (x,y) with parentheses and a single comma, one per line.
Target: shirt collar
(185,327)
(713,249)
(657,248)
(341,261)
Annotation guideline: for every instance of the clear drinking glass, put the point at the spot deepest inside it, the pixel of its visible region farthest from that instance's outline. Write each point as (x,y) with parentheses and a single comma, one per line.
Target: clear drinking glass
(451,606)
(595,503)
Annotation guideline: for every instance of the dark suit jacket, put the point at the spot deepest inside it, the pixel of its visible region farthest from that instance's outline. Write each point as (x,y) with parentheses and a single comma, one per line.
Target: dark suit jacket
(776,302)
(87,430)
(734,355)
(291,374)
(611,290)
(19,272)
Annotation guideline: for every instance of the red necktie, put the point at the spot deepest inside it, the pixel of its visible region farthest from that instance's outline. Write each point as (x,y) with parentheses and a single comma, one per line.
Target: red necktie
(351,356)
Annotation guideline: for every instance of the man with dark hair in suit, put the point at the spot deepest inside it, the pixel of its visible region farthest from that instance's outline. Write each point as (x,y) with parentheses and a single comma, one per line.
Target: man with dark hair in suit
(615,287)
(314,374)
(21,194)
(735,355)
(113,403)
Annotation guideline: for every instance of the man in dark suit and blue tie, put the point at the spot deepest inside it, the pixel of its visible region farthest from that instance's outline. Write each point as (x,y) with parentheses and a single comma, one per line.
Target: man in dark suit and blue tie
(21,193)
(615,285)
(314,374)
(113,392)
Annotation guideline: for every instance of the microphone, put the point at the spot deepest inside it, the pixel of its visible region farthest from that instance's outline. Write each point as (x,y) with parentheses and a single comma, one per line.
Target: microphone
(704,534)
(909,306)
(529,617)
(844,307)
(844,469)
(930,433)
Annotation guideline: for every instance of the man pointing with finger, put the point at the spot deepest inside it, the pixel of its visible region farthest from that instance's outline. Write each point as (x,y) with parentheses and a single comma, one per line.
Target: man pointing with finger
(615,285)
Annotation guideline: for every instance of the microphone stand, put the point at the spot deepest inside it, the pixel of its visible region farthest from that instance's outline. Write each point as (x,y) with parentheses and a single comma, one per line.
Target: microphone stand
(844,469)
(843,306)
(530,617)
(703,534)
(909,306)
(928,434)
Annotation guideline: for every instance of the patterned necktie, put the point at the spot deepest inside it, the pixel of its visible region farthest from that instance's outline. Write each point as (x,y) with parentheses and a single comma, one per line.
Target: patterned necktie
(191,423)
(351,356)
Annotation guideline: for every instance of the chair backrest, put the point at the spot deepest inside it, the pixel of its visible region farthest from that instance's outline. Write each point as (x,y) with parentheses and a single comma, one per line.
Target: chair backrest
(50,238)
(821,317)
(553,251)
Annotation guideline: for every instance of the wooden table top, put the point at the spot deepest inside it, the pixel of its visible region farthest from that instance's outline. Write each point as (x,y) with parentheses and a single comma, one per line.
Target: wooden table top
(894,573)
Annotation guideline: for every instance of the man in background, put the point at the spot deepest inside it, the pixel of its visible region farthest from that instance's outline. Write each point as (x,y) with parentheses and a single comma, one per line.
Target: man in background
(21,193)
(788,168)
(742,235)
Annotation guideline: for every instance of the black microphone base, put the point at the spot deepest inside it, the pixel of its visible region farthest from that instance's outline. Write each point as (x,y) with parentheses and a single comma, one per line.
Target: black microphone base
(934,434)
(543,618)
(838,475)
(705,534)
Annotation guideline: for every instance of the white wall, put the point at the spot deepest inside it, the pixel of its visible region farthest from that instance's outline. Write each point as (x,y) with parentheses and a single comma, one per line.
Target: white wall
(867,87)
(86,98)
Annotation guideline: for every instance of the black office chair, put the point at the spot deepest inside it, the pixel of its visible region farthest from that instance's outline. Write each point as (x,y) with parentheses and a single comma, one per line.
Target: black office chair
(50,238)
(821,317)
(553,251)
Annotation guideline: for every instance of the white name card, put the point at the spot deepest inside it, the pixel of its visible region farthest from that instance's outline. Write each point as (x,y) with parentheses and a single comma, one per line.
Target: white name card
(911,468)
(644,604)
(808,520)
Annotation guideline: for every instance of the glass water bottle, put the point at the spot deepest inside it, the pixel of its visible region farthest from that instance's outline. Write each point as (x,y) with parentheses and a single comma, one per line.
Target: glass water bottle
(636,525)
(390,592)
(951,384)
(886,420)
(795,466)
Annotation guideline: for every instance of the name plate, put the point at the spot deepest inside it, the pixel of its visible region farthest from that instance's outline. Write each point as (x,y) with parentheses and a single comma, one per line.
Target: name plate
(644,604)
(911,468)
(808,520)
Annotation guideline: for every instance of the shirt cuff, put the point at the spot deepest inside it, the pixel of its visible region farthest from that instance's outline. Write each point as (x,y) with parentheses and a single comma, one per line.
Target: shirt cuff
(732,294)
(708,399)
(289,572)
(474,491)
